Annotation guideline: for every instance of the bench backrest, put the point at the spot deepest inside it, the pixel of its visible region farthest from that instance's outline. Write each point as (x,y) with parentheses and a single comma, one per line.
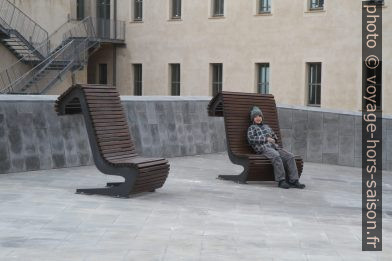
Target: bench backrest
(236,107)
(107,119)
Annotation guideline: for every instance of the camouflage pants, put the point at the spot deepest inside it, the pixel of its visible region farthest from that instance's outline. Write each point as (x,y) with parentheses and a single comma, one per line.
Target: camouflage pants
(282,160)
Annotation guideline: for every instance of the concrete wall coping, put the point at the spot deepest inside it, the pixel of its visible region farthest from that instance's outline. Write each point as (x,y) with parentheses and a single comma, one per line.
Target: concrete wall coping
(165,98)
(318,109)
(16,97)
(38,98)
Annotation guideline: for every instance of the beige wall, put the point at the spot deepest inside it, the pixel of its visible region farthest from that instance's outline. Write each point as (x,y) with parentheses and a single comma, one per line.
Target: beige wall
(50,14)
(103,56)
(287,39)
(66,81)
(7,59)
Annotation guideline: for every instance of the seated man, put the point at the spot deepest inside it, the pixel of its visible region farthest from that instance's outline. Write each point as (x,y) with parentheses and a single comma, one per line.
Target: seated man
(263,141)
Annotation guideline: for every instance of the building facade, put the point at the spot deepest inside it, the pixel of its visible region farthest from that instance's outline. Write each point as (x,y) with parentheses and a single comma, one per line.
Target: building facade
(305,52)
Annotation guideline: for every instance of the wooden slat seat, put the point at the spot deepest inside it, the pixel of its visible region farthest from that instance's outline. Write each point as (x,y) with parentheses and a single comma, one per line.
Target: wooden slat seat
(235,107)
(111,142)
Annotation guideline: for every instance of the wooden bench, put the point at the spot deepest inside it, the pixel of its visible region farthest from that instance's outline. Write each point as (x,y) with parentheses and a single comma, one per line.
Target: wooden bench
(110,141)
(235,107)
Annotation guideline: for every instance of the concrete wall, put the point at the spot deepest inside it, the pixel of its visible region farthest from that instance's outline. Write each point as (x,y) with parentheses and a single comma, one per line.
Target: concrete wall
(329,136)
(33,137)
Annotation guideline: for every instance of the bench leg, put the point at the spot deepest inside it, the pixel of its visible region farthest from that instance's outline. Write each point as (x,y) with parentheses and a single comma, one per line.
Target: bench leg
(115,189)
(241,178)
(103,191)
(114,184)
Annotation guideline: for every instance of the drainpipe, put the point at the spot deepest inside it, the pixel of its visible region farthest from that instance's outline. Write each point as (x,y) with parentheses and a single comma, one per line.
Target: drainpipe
(114,46)
(114,64)
(115,17)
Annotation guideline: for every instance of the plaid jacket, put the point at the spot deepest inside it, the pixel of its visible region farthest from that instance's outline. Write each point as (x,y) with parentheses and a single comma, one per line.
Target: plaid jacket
(257,137)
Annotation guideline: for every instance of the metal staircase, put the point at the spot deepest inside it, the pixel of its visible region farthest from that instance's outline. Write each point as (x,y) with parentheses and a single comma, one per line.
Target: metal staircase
(20,34)
(67,50)
(70,57)
(45,59)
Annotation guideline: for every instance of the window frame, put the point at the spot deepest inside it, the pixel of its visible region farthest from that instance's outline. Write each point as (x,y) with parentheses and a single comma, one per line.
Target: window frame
(260,5)
(80,10)
(137,10)
(137,79)
(218,8)
(216,84)
(175,6)
(314,87)
(103,77)
(315,5)
(263,87)
(175,79)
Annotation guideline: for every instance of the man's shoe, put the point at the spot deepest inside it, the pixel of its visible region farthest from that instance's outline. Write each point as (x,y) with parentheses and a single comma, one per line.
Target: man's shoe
(296,184)
(284,184)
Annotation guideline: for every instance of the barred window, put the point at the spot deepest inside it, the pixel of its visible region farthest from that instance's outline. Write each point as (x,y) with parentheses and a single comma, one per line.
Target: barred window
(218,8)
(138,10)
(137,79)
(264,6)
(314,84)
(175,79)
(263,78)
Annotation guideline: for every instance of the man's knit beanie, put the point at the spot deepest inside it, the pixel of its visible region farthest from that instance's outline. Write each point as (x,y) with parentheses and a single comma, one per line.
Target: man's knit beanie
(255,112)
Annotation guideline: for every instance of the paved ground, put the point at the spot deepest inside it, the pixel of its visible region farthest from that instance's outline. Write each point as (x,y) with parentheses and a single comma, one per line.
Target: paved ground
(193,217)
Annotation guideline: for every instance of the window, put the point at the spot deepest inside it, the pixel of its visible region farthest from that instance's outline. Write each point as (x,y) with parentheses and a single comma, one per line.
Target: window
(175,9)
(314,84)
(316,4)
(263,78)
(216,81)
(175,79)
(79,9)
(103,73)
(218,8)
(137,79)
(138,10)
(103,15)
(264,6)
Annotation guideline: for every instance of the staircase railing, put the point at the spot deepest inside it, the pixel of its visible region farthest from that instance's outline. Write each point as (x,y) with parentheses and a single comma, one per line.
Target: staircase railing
(106,29)
(12,17)
(94,29)
(56,41)
(72,56)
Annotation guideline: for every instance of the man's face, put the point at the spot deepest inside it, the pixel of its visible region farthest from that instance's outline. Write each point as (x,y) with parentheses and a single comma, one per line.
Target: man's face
(258,119)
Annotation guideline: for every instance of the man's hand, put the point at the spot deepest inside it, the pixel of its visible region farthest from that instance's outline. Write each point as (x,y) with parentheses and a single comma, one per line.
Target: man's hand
(271,140)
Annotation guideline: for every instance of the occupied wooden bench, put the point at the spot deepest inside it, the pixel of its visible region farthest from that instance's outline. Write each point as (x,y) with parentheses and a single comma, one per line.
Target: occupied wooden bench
(110,141)
(235,107)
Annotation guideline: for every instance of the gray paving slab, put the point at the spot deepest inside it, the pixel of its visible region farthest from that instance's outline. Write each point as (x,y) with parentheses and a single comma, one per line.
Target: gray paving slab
(193,217)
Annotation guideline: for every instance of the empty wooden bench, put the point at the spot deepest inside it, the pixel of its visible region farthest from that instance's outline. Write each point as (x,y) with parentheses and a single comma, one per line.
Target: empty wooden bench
(235,107)
(110,141)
